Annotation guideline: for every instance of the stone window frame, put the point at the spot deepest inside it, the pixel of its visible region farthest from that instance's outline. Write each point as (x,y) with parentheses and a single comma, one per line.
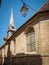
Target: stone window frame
(26,32)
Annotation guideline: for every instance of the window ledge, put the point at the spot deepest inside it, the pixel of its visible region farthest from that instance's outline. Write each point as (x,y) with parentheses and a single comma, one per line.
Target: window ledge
(31,53)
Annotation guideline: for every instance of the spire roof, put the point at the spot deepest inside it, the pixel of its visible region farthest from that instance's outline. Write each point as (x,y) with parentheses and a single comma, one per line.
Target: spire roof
(12,18)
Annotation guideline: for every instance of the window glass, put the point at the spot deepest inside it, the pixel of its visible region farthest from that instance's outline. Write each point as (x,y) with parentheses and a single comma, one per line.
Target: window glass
(31,40)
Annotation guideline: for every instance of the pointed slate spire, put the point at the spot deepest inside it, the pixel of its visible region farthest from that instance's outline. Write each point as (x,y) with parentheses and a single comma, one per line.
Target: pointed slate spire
(11,28)
(12,18)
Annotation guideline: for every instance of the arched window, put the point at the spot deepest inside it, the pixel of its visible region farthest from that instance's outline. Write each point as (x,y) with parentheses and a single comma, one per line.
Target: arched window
(30,40)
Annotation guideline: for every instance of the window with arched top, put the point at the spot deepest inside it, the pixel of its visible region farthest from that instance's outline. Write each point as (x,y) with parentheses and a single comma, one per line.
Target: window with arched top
(30,40)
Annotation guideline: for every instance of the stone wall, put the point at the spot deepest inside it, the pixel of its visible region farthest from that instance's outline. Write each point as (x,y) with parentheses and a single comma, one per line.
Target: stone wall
(14,48)
(21,43)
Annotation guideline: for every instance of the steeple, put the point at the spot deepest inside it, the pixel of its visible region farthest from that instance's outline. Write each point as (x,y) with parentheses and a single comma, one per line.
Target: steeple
(11,18)
(11,28)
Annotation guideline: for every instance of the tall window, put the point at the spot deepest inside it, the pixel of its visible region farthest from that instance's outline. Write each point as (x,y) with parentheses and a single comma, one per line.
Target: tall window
(31,40)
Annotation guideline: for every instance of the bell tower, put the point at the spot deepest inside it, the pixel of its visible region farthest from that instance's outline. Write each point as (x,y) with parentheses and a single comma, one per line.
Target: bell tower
(11,28)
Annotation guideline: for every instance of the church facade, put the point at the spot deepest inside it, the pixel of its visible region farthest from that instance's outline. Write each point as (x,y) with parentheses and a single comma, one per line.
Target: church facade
(29,45)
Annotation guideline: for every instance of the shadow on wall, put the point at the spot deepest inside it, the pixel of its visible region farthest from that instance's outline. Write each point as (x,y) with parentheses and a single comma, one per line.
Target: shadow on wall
(21,59)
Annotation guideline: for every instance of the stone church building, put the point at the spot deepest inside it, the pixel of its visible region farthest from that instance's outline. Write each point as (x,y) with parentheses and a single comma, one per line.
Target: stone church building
(29,45)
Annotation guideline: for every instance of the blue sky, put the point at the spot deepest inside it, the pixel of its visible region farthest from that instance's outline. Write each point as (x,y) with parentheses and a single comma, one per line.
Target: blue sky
(5,12)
